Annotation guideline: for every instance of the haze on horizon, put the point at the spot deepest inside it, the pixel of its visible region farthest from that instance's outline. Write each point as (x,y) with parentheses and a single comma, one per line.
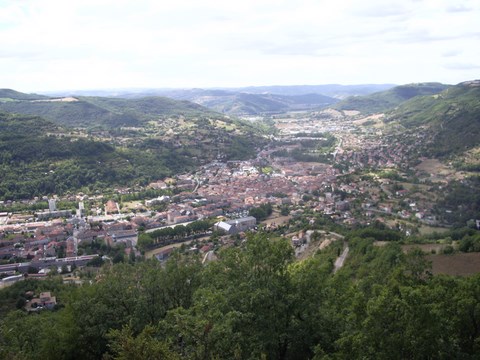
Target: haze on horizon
(97,44)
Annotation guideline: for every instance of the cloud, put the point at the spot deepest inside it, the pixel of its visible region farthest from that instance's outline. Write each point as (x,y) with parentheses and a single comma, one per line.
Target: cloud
(461,66)
(379,9)
(451,53)
(459,8)
(182,42)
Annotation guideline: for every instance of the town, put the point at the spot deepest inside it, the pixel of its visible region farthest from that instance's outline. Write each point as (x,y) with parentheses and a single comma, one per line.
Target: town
(350,173)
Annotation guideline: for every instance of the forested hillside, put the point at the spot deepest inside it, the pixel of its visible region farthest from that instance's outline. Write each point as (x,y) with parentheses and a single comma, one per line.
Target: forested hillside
(243,103)
(38,158)
(11,95)
(98,112)
(255,302)
(452,117)
(383,101)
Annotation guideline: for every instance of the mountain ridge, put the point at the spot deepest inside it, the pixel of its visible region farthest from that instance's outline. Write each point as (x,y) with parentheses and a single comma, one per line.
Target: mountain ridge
(383,101)
(101,112)
(452,116)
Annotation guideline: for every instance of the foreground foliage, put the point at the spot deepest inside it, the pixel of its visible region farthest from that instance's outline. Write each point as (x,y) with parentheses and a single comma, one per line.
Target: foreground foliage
(256,301)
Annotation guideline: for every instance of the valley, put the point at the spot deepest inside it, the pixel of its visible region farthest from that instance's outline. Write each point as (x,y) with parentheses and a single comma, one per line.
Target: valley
(348,194)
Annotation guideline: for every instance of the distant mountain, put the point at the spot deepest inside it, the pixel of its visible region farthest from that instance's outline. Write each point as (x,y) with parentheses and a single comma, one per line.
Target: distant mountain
(252,100)
(235,103)
(9,95)
(452,117)
(332,90)
(383,101)
(97,111)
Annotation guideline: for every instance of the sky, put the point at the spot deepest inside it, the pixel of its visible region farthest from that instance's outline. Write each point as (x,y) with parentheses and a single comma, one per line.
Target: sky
(53,45)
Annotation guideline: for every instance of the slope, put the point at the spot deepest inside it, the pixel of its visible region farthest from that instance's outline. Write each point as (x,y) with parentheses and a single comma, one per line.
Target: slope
(383,101)
(241,103)
(91,112)
(11,95)
(452,117)
(39,158)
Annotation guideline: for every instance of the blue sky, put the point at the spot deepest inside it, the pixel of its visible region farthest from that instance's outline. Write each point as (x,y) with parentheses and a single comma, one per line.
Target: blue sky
(103,44)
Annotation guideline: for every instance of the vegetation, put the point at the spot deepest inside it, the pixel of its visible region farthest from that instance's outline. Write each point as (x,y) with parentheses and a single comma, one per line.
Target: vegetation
(452,117)
(170,235)
(383,101)
(261,212)
(255,302)
(12,95)
(97,112)
(38,158)
(243,103)
(461,202)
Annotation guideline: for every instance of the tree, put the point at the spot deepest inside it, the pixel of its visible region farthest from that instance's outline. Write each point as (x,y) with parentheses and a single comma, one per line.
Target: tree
(124,345)
(144,241)
(245,308)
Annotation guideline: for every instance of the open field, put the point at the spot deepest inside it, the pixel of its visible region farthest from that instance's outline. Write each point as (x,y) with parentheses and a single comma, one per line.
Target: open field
(433,166)
(428,230)
(427,248)
(277,220)
(439,170)
(462,264)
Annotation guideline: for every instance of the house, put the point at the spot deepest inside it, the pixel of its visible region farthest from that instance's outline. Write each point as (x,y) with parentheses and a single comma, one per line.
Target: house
(164,255)
(44,301)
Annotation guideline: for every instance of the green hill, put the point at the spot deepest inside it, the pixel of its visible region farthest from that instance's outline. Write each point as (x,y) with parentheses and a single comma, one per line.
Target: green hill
(91,112)
(452,117)
(12,95)
(39,158)
(241,103)
(383,101)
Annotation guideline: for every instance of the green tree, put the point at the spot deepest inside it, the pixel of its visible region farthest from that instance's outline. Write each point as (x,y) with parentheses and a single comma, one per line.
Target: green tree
(124,345)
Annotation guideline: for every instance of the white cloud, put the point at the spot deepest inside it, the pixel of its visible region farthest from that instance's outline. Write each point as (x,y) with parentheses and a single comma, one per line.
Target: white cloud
(54,44)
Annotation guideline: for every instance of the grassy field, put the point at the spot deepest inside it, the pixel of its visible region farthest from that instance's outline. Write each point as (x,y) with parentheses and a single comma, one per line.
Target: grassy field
(427,248)
(462,264)
(428,230)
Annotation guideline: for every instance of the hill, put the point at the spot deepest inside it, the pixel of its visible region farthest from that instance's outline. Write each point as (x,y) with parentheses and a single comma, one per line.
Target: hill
(91,112)
(332,90)
(252,100)
(383,101)
(253,104)
(452,117)
(11,95)
(38,158)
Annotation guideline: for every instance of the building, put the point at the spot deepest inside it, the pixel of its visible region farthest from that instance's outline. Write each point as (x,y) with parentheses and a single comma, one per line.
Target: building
(46,215)
(236,226)
(128,237)
(44,301)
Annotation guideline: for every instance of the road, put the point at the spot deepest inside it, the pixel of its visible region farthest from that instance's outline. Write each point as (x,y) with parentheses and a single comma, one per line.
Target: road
(341,259)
